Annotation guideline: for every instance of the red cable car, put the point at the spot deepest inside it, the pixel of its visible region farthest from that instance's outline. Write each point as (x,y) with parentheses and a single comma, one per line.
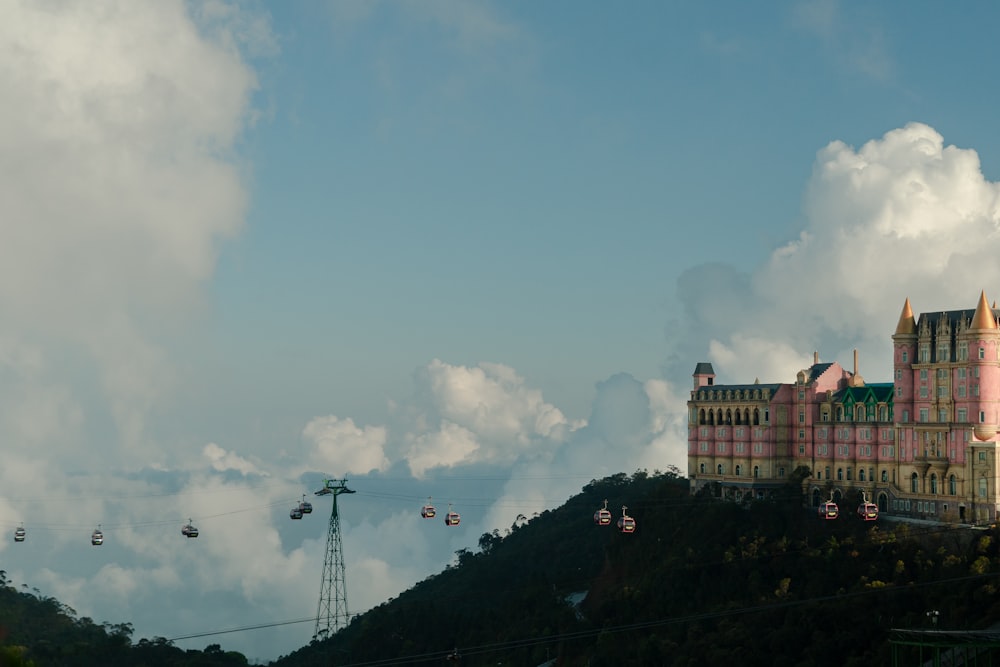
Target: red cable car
(602,517)
(428,511)
(829,510)
(866,510)
(452,518)
(626,524)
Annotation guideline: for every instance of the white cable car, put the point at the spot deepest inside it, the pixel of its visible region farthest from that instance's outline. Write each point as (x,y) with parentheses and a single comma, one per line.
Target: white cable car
(189,530)
(452,518)
(867,510)
(602,517)
(626,524)
(829,510)
(305,506)
(97,537)
(428,511)
(296,513)
(20,534)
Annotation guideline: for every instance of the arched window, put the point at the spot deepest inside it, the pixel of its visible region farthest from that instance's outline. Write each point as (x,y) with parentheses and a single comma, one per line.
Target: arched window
(711,418)
(729,417)
(952,485)
(720,468)
(861,474)
(701,418)
(850,471)
(840,474)
(756,417)
(738,417)
(756,471)
(746,416)
(913,483)
(739,469)
(701,468)
(885,475)
(933,482)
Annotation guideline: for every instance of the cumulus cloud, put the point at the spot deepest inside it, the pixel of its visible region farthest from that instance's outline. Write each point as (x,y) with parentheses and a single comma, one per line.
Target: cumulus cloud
(339,445)
(118,182)
(904,215)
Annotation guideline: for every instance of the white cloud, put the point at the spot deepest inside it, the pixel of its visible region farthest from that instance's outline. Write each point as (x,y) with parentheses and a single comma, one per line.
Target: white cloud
(338,445)
(223,460)
(118,183)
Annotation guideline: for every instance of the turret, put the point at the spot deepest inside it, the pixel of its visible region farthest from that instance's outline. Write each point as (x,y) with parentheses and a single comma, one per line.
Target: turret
(704,375)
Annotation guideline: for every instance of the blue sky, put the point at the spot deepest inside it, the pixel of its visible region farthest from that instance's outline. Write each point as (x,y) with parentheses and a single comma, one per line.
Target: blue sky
(466,250)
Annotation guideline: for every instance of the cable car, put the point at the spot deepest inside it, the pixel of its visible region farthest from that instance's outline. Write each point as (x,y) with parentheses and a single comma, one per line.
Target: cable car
(305,506)
(296,512)
(452,518)
(97,537)
(829,510)
(602,517)
(428,511)
(626,524)
(189,530)
(19,534)
(867,510)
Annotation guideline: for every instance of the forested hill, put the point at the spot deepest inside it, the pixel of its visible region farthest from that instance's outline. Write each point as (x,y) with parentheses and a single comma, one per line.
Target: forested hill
(700,582)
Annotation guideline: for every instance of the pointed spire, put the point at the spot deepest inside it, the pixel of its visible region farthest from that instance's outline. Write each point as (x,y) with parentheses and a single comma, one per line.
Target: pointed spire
(907,325)
(983,318)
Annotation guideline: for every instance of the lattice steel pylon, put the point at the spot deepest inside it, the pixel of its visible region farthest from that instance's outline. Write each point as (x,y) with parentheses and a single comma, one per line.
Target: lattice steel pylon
(331,613)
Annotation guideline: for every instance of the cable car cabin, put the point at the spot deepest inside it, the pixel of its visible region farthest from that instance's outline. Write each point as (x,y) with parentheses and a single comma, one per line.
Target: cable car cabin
(626,524)
(868,511)
(602,517)
(428,512)
(295,513)
(189,531)
(452,519)
(19,535)
(305,507)
(97,538)
(829,510)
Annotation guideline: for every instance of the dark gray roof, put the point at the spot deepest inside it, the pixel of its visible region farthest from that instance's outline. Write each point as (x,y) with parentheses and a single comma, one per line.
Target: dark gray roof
(818,369)
(704,368)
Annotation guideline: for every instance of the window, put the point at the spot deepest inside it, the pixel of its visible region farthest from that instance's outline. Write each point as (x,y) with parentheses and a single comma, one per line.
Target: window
(913,483)
(923,392)
(942,415)
(923,373)
(849,470)
(840,474)
(781,472)
(906,415)
(802,448)
(899,374)
(982,487)
(961,391)
(982,353)
(952,485)
(861,474)
(961,373)
(923,414)
(802,417)
(934,483)
(982,456)
(906,357)
(739,469)
(756,471)
(963,351)
(885,475)
(982,417)
(704,446)
(701,468)
(942,373)
(720,469)
(925,353)
(942,391)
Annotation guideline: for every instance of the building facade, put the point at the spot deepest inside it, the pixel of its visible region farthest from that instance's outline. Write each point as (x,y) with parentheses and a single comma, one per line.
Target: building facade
(923,445)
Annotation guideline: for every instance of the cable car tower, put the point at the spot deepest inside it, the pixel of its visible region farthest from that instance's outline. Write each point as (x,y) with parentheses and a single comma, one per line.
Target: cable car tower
(331,613)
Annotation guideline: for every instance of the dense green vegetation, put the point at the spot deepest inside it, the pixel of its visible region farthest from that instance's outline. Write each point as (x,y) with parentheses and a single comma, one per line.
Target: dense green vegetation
(701,582)
(38,631)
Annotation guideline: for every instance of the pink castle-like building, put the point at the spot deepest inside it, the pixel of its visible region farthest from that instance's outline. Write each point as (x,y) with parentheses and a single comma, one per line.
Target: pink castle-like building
(923,445)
